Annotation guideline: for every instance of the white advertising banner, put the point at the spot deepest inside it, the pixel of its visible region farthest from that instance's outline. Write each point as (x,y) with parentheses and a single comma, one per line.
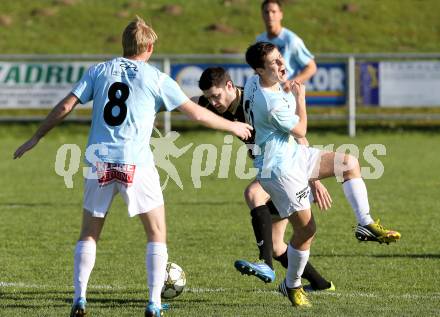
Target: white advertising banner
(409,84)
(38,85)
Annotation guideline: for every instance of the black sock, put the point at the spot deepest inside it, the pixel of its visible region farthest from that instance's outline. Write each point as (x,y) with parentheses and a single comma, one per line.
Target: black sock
(282,259)
(316,280)
(272,209)
(310,274)
(262,225)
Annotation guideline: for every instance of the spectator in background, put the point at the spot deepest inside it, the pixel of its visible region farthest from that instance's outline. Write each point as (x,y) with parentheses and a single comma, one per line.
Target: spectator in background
(300,63)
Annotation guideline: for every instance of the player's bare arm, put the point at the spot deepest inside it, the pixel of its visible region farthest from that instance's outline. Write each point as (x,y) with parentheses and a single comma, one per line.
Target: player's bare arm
(300,129)
(58,113)
(211,120)
(304,75)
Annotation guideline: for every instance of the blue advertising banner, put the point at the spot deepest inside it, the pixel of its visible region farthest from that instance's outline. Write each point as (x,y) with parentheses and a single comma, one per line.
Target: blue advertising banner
(326,88)
(369,83)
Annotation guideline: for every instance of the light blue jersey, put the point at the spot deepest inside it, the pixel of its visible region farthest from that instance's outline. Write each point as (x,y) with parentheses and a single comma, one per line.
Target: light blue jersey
(272,114)
(292,48)
(126,95)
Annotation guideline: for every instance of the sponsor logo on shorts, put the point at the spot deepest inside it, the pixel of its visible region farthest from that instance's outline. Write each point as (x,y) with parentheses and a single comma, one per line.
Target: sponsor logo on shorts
(304,193)
(115,172)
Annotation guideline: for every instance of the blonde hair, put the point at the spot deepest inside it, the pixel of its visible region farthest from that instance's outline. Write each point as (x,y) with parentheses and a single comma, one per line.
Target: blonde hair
(136,36)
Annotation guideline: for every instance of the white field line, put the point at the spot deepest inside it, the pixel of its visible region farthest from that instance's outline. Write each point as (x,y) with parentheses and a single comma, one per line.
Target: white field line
(231,290)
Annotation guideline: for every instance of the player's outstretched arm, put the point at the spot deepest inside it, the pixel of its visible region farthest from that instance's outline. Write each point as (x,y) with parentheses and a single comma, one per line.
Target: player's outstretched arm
(58,113)
(213,121)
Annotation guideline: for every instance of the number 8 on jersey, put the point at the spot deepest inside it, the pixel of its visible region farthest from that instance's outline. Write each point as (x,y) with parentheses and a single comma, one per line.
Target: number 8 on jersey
(115,101)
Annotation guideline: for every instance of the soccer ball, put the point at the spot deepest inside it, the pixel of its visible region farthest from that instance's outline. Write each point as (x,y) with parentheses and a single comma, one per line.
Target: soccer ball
(175,281)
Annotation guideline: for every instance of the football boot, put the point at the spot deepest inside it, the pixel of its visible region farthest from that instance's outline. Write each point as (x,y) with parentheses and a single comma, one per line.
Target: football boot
(376,232)
(259,269)
(79,308)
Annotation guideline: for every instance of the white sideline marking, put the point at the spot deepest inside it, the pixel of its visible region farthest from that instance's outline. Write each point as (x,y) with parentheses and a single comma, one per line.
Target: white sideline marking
(24,285)
(206,290)
(222,290)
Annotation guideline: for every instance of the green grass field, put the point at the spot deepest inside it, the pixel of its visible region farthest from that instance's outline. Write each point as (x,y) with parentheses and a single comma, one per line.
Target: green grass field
(208,229)
(95,27)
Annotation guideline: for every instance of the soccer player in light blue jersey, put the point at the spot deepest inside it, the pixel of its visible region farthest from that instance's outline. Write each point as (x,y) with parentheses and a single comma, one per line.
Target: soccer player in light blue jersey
(224,98)
(301,67)
(286,167)
(127,93)
(300,63)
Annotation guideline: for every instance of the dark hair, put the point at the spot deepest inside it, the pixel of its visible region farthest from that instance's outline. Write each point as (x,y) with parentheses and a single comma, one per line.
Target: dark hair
(256,53)
(213,76)
(266,2)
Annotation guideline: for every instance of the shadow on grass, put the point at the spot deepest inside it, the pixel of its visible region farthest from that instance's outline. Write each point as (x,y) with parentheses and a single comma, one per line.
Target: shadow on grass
(31,306)
(415,256)
(67,292)
(46,299)
(95,295)
(409,255)
(21,204)
(207,202)
(59,299)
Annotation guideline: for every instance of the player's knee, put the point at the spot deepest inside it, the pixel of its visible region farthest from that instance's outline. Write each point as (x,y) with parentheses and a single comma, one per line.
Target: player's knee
(250,195)
(312,229)
(255,196)
(247,193)
(156,228)
(250,191)
(156,234)
(308,231)
(351,161)
(352,168)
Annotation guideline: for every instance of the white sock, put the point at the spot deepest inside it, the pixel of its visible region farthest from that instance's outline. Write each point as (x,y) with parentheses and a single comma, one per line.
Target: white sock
(156,261)
(297,261)
(84,260)
(356,193)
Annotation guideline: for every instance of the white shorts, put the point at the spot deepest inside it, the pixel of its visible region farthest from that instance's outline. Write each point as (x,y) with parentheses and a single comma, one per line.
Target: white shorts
(142,194)
(290,192)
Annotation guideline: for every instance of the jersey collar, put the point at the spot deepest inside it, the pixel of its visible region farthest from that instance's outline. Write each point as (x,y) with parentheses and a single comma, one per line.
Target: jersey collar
(237,101)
